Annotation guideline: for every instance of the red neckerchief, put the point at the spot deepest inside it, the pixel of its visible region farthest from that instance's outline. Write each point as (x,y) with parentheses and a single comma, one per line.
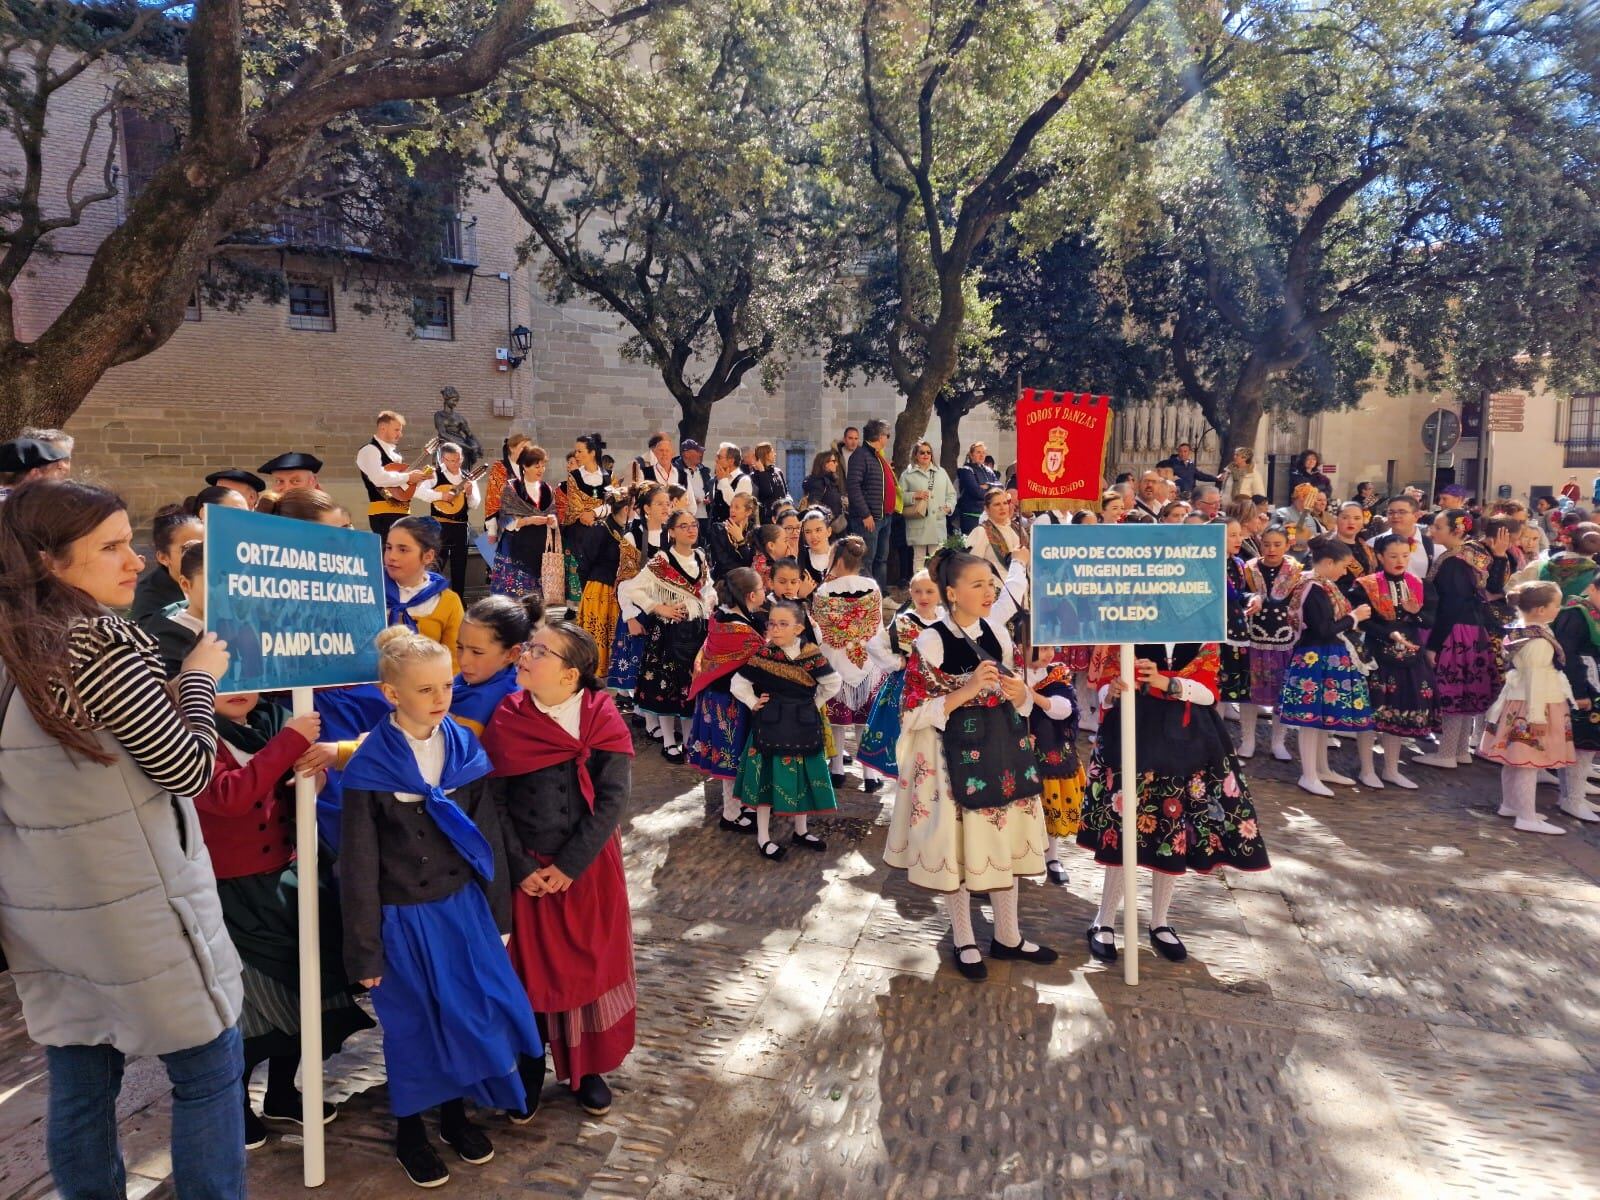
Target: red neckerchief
(1381,595)
(665,568)
(729,645)
(520,739)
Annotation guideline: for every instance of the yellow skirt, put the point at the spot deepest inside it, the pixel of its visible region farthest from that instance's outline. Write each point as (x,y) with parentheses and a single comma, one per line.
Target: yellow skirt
(598,611)
(1063,804)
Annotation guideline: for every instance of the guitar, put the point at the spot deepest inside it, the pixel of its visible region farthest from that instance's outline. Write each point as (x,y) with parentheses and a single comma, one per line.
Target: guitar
(404,495)
(453,496)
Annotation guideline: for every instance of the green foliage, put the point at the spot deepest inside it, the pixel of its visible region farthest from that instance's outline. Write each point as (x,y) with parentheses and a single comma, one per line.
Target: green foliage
(1403,188)
(687,186)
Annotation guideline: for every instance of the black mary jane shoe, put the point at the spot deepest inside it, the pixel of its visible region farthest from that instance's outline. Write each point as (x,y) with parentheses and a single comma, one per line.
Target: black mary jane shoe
(674,756)
(594,1095)
(809,840)
(977,972)
(872,785)
(1057,872)
(1102,951)
(745,822)
(291,1112)
(1173,951)
(838,781)
(772,852)
(422,1164)
(1042,955)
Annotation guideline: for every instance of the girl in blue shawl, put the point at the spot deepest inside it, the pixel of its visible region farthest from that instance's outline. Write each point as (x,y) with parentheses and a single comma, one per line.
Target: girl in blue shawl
(423,877)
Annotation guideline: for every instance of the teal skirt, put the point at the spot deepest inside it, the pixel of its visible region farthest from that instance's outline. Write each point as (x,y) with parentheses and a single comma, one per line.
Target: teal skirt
(787,783)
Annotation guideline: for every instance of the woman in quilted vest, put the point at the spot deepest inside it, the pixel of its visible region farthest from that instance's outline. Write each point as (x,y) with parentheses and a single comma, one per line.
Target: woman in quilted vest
(109,914)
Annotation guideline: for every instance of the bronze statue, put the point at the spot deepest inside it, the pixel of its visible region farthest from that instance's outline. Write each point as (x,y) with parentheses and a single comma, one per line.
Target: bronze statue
(451,426)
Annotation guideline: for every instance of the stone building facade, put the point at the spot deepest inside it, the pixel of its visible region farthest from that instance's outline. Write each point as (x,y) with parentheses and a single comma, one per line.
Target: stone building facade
(234,388)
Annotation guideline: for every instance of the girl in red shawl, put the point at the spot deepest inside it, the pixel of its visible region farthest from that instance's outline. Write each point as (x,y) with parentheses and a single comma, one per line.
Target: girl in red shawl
(719,732)
(563,761)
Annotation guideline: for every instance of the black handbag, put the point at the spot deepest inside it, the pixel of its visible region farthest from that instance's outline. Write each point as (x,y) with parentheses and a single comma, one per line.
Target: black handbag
(787,725)
(989,755)
(988,750)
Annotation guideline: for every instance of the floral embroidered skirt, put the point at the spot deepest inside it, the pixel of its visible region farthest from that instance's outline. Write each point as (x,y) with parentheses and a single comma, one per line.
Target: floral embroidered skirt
(574,584)
(667,667)
(1512,740)
(1322,689)
(597,615)
(1063,804)
(853,704)
(942,846)
(626,650)
(1404,700)
(1467,671)
(883,727)
(1266,674)
(1194,823)
(787,783)
(1235,673)
(717,737)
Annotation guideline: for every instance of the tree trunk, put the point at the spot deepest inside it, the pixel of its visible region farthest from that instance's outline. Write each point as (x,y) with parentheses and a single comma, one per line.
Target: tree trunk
(695,420)
(950,438)
(1242,417)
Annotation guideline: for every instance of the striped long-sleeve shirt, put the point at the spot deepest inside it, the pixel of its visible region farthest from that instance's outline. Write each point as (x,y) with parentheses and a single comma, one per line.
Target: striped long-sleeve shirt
(121,684)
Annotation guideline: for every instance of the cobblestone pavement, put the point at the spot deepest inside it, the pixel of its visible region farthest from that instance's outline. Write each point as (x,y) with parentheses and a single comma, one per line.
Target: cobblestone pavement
(1406,1005)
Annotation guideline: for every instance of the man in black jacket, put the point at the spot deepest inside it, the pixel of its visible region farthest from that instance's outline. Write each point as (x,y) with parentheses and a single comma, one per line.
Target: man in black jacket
(1185,470)
(870,492)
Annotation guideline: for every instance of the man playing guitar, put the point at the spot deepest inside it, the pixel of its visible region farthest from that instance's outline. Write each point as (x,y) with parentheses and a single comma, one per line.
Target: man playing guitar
(451,497)
(389,482)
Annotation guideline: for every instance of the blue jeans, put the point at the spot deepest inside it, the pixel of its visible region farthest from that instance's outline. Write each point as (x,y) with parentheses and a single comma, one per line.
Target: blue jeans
(207,1120)
(876,563)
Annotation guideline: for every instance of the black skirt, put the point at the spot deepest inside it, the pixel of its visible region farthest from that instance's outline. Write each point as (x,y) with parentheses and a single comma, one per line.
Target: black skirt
(667,666)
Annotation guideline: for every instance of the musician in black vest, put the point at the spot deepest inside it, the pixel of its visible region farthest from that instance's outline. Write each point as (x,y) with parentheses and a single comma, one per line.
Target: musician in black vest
(383,467)
(451,495)
(658,466)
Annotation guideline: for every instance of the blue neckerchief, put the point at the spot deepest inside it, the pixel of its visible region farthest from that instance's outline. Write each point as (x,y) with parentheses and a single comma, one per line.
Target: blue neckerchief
(398,614)
(476,702)
(385,763)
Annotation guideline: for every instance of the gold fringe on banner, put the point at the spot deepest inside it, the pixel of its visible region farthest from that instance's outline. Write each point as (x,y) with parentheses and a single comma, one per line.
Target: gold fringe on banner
(1039,506)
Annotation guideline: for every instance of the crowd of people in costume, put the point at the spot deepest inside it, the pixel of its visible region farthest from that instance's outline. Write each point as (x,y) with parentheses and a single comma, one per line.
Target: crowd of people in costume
(872,635)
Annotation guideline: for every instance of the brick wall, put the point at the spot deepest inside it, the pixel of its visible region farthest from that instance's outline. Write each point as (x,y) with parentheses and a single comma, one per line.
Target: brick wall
(236,388)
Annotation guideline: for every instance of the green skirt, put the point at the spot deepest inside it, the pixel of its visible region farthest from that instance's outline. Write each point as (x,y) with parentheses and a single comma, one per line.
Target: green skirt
(788,783)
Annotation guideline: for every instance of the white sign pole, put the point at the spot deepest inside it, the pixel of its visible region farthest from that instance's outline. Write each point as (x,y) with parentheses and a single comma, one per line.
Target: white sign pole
(1130,823)
(305,813)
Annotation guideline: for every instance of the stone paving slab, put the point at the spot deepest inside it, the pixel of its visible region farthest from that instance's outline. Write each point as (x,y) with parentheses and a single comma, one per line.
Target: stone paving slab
(1404,1006)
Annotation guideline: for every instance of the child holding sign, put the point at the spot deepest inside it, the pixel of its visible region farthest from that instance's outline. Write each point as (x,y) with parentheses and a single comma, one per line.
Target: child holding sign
(421,858)
(247,819)
(1194,808)
(419,597)
(967,815)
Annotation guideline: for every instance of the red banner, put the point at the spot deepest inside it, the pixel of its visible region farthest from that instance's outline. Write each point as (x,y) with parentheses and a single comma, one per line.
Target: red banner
(1062,439)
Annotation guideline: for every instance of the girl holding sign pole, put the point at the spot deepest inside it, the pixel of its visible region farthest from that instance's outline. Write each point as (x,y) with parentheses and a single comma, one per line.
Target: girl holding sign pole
(967,814)
(1194,807)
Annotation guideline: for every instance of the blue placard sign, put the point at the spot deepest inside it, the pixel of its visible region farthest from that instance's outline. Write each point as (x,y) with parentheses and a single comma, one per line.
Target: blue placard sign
(298,603)
(1107,584)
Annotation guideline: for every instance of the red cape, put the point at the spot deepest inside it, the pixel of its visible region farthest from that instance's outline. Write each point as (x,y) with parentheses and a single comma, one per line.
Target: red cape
(520,739)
